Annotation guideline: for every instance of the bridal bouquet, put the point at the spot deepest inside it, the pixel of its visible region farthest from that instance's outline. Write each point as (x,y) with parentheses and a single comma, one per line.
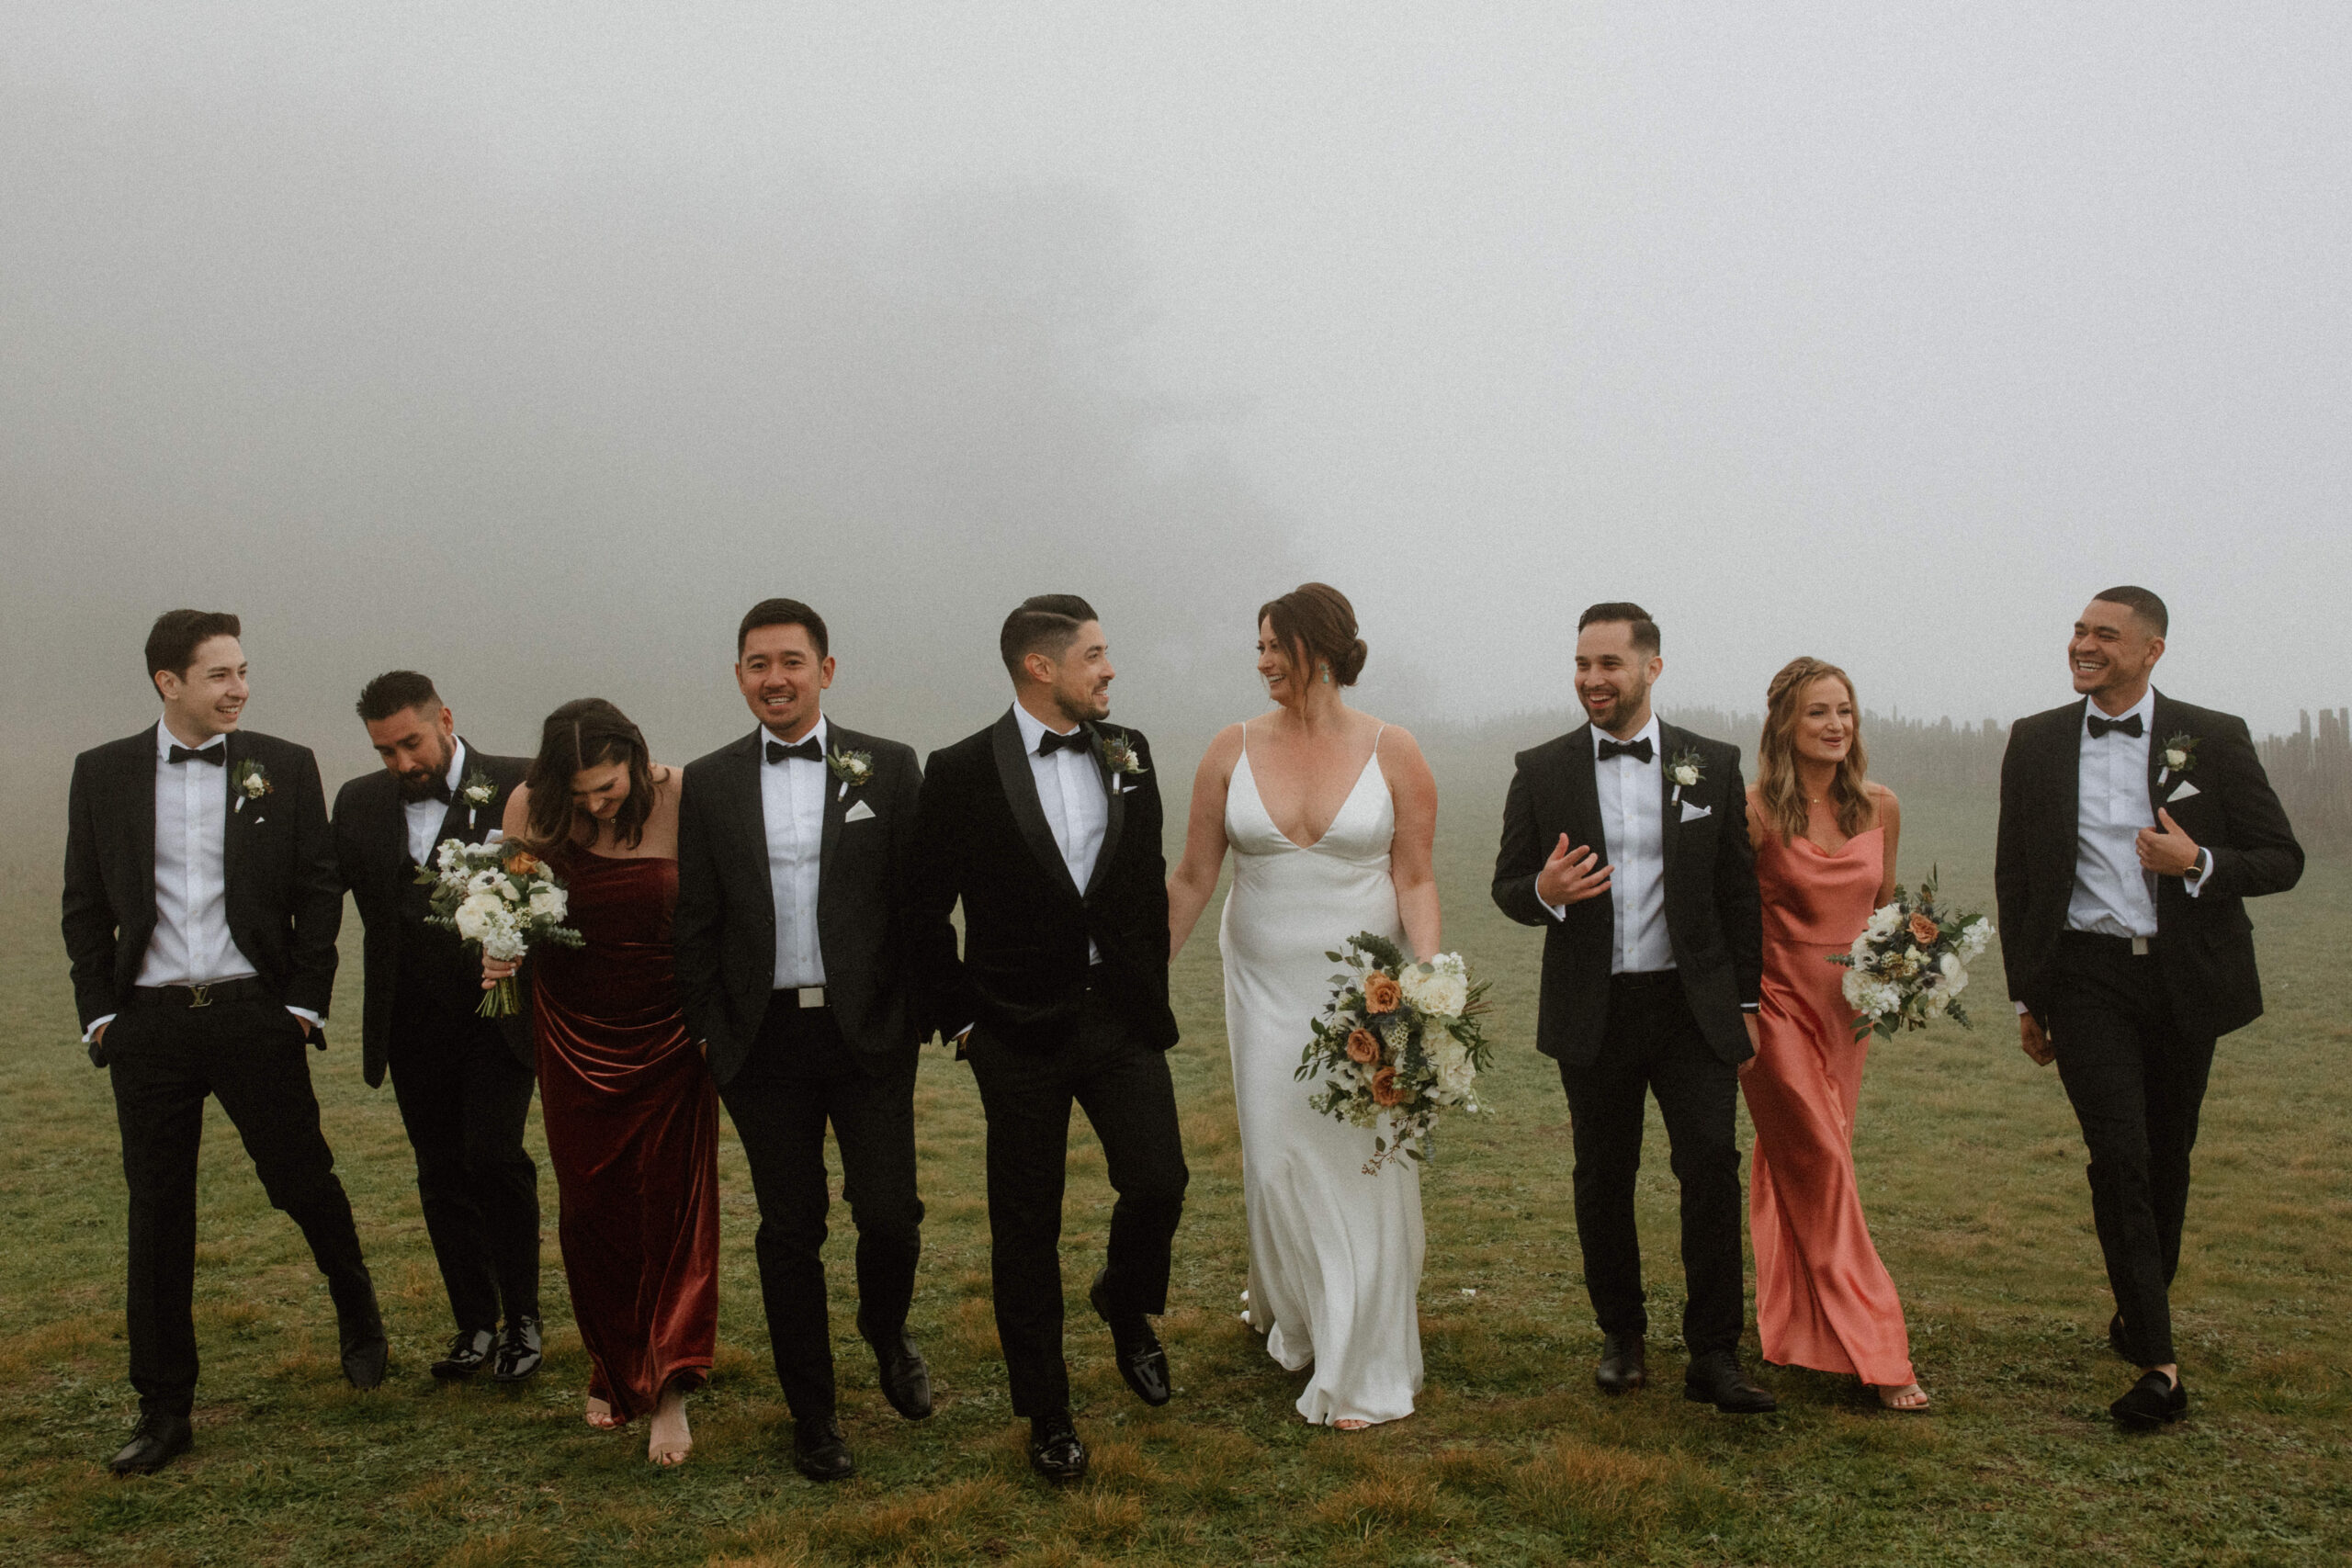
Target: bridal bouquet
(502,898)
(1398,1040)
(1910,964)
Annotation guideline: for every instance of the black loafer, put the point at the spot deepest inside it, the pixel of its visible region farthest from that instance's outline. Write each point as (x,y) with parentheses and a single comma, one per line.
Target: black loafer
(1142,1360)
(519,1352)
(904,1375)
(1055,1451)
(2154,1401)
(1717,1378)
(154,1443)
(360,1335)
(1623,1364)
(819,1451)
(469,1353)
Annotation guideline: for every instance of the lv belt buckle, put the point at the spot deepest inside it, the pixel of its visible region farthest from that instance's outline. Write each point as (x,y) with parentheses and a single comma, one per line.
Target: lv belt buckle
(199,995)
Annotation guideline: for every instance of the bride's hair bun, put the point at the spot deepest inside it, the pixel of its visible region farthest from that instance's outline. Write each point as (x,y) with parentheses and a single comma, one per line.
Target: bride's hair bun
(1315,622)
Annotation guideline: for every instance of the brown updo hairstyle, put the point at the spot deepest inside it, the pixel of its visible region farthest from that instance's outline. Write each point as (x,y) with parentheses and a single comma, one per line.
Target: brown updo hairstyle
(1315,624)
(586,733)
(1776,756)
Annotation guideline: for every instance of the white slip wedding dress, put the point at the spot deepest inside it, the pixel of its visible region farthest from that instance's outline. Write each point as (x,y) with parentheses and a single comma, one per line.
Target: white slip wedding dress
(1335,1256)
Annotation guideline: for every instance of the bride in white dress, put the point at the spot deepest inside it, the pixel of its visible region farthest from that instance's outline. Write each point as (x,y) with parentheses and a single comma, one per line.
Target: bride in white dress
(1330,815)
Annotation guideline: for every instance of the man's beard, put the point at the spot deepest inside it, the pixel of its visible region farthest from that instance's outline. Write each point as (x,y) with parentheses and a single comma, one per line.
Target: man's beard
(422,788)
(1623,706)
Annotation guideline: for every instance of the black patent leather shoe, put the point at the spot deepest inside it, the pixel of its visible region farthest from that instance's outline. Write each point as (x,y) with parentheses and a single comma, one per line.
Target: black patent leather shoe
(360,1335)
(819,1451)
(519,1352)
(469,1353)
(2154,1401)
(1717,1378)
(1142,1360)
(1055,1451)
(1623,1364)
(904,1375)
(154,1443)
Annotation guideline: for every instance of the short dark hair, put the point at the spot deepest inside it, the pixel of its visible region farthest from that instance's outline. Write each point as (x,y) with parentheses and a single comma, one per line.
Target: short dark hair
(1645,629)
(783,613)
(1045,622)
(2140,603)
(172,640)
(393,691)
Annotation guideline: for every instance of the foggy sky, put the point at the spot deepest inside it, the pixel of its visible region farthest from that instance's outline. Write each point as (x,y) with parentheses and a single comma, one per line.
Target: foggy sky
(528,344)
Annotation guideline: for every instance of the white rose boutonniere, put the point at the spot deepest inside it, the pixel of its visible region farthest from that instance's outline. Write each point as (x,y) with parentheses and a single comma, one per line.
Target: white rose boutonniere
(2179,756)
(1684,769)
(1119,755)
(251,781)
(852,768)
(478,790)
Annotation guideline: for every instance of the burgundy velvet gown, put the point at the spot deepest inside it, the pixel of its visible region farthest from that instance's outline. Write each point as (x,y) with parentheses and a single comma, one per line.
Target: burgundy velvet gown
(632,1124)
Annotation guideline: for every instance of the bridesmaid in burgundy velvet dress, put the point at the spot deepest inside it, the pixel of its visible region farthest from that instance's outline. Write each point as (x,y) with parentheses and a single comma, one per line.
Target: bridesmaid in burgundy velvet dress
(631,1115)
(1824,839)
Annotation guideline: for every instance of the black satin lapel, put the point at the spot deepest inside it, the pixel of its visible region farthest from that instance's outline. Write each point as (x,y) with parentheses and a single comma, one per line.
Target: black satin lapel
(2066,781)
(233,823)
(1671,743)
(2160,725)
(1584,800)
(836,805)
(142,792)
(1117,799)
(1021,794)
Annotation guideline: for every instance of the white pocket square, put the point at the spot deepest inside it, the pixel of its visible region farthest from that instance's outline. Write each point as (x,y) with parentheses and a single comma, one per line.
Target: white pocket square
(861,812)
(1692,812)
(2183,792)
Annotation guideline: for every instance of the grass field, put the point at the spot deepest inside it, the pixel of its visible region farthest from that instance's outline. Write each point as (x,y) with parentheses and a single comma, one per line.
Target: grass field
(1970,1165)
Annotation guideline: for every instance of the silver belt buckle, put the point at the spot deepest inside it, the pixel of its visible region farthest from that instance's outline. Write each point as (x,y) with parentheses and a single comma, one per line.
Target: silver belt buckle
(2139,947)
(199,995)
(812,995)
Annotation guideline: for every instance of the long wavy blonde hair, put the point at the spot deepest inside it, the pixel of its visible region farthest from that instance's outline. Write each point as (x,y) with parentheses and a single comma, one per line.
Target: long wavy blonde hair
(1776,756)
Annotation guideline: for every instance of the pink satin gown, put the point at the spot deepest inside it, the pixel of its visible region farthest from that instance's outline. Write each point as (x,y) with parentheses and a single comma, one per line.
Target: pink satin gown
(1823,1299)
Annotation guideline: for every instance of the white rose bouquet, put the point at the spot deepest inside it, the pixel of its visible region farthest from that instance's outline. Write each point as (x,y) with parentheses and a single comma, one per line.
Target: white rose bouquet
(1910,964)
(502,899)
(1398,1040)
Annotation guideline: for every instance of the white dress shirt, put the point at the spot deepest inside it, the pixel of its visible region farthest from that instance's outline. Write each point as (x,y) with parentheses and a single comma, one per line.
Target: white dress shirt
(1633,812)
(2113,893)
(1070,789)
(792,805)
(425,817)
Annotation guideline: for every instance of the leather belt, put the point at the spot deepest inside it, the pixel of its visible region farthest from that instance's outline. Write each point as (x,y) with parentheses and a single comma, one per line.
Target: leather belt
(2121,946)
(199,995)
(803,996)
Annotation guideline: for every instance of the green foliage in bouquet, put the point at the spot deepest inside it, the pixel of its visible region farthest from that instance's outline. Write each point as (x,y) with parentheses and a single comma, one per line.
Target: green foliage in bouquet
(1397,1039)
(1910,964)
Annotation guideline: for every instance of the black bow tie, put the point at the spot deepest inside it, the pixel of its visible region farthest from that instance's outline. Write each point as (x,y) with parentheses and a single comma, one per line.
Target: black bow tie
(1637,750)
(438,790)
(1049,742)
(216,755)
(808,751)
(2130,727)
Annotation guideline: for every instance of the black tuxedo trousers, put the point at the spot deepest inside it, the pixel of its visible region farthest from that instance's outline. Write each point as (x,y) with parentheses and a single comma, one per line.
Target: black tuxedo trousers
(2137,1082)
(164,1061)
(798,1075)
(1028,1083)
(1653,1046)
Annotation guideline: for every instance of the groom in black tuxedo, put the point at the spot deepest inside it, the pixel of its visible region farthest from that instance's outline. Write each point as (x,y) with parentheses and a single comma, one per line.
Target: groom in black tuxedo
(2133,828)
(1626,840)
(795,845)
(201,914)
(464,1091)
(1047,825)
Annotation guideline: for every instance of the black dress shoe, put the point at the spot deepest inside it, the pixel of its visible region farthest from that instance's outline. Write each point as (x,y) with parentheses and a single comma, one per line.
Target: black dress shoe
(904,1375)
(1136,1350)
(1716,1377)
(360,1331)
(154,1443)
(819,1451)
(468,1354)
(2154,1401)
(1055,1451)
(1623,1364)
(519,1352)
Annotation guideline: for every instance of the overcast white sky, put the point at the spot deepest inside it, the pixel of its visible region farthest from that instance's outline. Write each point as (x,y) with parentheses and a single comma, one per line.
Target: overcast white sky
(527,344)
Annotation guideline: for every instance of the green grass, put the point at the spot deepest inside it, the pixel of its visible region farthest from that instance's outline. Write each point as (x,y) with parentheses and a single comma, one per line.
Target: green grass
(1970,1165)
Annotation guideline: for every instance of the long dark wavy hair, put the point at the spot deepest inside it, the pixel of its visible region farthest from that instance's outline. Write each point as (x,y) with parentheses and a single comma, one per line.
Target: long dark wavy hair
(586,733)
(1776,756)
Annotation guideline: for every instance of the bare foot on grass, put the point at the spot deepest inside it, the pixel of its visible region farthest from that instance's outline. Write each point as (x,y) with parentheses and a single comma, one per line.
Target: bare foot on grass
(1910,1396)
(600,1416)
(1348,1424)
(671,1440)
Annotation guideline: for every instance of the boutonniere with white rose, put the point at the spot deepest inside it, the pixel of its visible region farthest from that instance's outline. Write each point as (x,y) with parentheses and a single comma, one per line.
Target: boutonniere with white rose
(477,791)
(2179,756)
(1118,754)
(852,768)
(251,781)
(1683,768)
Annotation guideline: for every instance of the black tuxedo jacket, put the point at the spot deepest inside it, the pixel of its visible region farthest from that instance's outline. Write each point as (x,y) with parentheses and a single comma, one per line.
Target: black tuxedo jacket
(725,929)
(1714,916)
(2225,802)
(277,857)
(371,857)
(981,836)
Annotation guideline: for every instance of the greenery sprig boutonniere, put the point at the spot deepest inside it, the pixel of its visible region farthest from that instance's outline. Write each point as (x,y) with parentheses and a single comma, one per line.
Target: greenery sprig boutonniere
(478,790)
(2179,756)
(1118,754)
(251,781)
(852,768)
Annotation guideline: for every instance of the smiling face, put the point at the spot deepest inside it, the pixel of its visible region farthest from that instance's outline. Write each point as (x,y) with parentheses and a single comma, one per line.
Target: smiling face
(599,791)
(207,697)
(1078,684)
(1824,726)
(416,745)
(780,677)
(1613,677)
(2111,655)
(1278,667)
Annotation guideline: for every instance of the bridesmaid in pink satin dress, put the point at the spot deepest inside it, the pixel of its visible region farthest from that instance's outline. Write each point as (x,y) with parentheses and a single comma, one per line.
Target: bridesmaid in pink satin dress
(1825,841)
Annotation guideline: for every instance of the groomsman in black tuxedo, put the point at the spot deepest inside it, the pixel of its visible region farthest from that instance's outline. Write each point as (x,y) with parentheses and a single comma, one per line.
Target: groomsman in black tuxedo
(1047,825)
(464,1093)
(795,845)
(2133,828)
(201,914)
(1626,840)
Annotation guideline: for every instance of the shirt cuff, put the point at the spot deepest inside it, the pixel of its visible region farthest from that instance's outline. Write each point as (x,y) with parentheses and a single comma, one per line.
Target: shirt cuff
(95,1024)
(1751,1007)
(1558,911)
(314,1020)
(2023,1010)
(2195,876)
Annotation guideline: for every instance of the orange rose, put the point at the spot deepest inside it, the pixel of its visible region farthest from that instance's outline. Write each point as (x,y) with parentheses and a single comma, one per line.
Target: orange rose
(1923,930)
(1384,1088)
(522,863)
(1381,992)
(1363,1046)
